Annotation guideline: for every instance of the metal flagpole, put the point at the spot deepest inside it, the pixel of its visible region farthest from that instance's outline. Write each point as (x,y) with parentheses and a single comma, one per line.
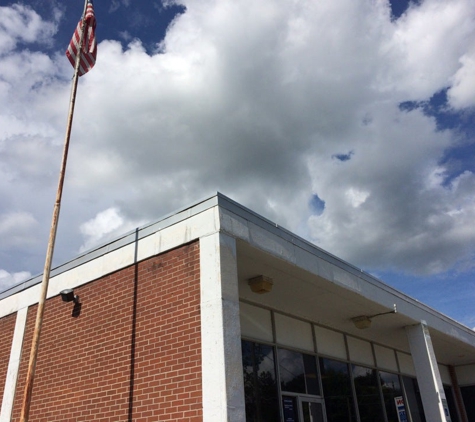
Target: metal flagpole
(25,410)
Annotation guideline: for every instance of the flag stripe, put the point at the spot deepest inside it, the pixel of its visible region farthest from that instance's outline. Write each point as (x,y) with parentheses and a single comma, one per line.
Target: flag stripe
(88,52)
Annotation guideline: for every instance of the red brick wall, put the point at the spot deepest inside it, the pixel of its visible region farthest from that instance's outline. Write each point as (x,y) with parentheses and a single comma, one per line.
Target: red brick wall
(85,363)
(7,327)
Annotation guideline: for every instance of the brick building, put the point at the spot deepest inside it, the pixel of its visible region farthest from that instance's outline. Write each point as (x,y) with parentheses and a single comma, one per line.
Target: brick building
(213,314)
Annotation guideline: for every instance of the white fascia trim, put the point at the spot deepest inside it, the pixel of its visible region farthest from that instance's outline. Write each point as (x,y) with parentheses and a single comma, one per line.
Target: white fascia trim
(160,241)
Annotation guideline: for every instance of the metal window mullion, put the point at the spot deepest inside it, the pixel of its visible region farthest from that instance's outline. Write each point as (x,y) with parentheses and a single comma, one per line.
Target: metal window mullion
(406,401)
(380,387)
(277,366)
(381,395)
(352,380)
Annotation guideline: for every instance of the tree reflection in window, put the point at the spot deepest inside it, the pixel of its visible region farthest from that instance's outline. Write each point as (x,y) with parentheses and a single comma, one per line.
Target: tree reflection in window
(414,401)
(337,392)
(260,385)
(391,387)
(367,394)
(298,372)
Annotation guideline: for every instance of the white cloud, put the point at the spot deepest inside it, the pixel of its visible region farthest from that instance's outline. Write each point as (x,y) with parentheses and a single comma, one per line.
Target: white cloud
(463,83)
(356,197)
(10,279)
(105,225)
(429,40)
(20,23)
(257,100)
(116,4)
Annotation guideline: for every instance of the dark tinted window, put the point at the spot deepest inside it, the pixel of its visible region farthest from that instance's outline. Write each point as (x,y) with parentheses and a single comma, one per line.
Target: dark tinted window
(391,387)
(468,395)
(337,391)
(414,399)
(312,412)
(290,409)
(298,372)
(292,372)
(260,385)
(367,394)
(451,403)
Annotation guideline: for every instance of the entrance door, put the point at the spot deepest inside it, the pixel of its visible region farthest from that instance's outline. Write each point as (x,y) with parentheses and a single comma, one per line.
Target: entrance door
(312,410)
(303,409)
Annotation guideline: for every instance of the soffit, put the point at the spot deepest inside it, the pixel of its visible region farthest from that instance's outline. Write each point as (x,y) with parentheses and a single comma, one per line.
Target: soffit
(311,297)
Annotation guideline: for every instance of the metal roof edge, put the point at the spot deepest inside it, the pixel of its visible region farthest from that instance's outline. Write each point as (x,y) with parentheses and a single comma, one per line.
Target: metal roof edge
(123,240)
(220,200)
(310,247)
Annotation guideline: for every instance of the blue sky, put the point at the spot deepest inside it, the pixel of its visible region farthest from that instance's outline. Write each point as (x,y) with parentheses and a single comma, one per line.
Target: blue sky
(349,122)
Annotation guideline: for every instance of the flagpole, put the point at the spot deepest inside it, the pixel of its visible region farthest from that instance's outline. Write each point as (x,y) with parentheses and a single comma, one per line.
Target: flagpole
(25,410)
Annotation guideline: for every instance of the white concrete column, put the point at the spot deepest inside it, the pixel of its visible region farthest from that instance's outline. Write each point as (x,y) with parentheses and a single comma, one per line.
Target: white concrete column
(427,372)
(223,388)
(13,366)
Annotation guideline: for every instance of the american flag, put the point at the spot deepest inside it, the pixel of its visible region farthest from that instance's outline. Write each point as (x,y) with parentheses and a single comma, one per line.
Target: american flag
(89,46)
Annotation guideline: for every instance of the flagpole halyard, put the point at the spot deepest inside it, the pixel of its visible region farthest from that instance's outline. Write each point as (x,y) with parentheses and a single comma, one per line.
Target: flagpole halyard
(25,410)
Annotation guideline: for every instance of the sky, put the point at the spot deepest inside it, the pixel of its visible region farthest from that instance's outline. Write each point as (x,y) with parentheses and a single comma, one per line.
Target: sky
(348,122)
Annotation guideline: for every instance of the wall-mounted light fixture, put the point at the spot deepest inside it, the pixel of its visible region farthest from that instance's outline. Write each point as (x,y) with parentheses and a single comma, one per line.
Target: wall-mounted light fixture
(68,296)
(364,321)
(261,284)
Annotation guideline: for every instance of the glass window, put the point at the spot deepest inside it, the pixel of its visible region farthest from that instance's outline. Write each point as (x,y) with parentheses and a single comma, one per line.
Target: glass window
(468,395)
(391,387)
(312,411)
(451,403)
(336,383)
(298,372)
(414,399)
(290,408)
(260,385)
(367,394)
